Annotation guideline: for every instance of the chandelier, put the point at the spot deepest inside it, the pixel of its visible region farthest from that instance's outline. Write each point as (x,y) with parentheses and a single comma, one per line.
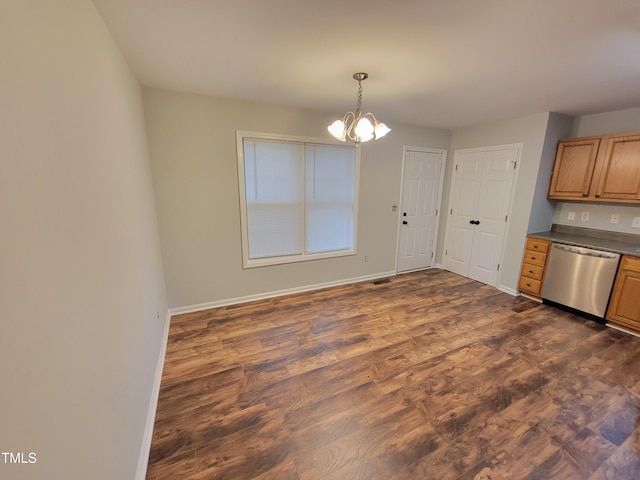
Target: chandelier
(358,127)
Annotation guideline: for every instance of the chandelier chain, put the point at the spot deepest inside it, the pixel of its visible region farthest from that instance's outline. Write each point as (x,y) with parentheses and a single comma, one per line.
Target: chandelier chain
(359,102)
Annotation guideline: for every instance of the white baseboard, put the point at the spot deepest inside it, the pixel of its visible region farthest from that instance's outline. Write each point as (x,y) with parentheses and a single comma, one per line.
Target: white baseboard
(145,448)
(539,300)
(622,329)
(508,290)
(276,293)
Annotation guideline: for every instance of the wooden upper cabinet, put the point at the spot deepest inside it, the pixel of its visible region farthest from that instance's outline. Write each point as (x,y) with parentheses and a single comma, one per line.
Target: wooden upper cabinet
(605,168)
(573,169)
(620,174)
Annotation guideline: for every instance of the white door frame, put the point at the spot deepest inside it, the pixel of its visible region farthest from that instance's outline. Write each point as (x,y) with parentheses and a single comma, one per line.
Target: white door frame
(520,148)
(442,152)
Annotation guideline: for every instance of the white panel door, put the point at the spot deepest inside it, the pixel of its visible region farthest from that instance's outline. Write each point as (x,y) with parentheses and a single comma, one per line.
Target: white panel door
(479,204)
(419,210)
(493,206)
(463,201)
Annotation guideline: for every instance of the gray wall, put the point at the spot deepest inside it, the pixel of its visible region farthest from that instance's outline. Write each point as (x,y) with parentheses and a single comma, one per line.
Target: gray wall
(80,270)
(542,209)
(617,121)
(530,131)
(194,165)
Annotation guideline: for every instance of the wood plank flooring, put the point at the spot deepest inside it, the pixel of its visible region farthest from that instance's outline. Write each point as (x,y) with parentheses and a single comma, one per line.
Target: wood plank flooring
(426,375)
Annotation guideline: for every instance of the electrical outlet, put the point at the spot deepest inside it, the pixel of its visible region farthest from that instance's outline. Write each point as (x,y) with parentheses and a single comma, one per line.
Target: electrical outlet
(615,218)
(366,258)
(585,216)
(572,216)
(635,223)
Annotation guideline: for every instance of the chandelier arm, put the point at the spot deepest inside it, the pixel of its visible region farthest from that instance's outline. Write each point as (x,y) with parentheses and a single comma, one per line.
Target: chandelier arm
(348,115)
(372,116)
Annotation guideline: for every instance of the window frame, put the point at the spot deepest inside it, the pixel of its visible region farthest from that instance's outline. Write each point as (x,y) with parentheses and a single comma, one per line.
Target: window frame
(304,256)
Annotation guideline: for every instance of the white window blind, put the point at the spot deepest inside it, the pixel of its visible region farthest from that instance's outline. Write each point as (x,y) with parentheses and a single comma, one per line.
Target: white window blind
(299,200)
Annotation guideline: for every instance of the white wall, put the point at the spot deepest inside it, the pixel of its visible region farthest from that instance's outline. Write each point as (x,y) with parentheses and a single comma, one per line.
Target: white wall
(193,154)
(80,271)
(530,131)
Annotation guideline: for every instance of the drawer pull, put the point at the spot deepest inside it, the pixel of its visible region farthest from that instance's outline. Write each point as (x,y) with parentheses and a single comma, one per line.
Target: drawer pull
(530,271)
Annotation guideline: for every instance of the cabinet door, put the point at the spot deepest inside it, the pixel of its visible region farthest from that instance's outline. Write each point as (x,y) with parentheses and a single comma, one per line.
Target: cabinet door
(573,168)
(620,174)
(624,307)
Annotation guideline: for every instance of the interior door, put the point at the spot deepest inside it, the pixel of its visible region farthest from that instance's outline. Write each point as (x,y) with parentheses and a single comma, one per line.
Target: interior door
(419,210)
(480,200)
(491,215)
(465,191)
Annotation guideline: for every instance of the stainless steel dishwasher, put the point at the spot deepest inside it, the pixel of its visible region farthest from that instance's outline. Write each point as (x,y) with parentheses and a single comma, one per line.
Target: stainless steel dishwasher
(580,278)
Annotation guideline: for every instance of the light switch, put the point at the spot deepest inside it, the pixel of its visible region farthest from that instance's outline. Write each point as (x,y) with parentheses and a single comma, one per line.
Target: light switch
(571,216)
(585,216)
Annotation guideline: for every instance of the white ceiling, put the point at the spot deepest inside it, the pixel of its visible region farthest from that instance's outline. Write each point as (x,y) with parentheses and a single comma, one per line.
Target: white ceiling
(439,63)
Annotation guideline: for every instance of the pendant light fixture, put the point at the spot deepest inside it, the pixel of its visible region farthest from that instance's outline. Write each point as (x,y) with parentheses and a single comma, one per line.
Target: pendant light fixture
(358,127)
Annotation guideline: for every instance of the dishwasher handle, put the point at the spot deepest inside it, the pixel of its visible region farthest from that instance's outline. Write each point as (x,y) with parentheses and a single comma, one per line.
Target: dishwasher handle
(585,251)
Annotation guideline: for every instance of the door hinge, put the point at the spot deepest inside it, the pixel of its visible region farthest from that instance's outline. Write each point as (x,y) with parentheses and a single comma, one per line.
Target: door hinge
(456,168)
(451,212)
(498,269)
(446,252)
(514,164)
(431,254)
(436,212)
(505,217)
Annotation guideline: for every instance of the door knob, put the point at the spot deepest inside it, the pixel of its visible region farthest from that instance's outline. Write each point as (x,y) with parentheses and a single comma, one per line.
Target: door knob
(404,222)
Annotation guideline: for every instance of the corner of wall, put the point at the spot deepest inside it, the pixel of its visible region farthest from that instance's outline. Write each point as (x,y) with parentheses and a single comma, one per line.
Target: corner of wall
(145,447)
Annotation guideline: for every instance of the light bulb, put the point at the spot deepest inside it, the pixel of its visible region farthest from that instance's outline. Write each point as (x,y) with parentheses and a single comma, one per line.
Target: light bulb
(381,130)
(364,129)
(337,130)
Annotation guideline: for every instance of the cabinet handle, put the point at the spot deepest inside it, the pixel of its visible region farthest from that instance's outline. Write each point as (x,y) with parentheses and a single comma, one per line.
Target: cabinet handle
(584,194)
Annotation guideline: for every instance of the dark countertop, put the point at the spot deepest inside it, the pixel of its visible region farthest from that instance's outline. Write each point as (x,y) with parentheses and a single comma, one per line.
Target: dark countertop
(623,243)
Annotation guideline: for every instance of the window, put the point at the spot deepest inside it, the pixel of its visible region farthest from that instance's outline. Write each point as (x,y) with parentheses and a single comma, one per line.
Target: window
(298,199)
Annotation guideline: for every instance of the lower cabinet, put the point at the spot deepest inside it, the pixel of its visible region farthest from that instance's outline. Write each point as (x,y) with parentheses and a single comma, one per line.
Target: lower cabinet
(624,306)
(534,263)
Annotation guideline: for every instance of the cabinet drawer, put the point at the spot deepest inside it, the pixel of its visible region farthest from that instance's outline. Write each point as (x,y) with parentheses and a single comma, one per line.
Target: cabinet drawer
(532,271)
(537,245)
(630,263)
(529,285)
(536,258)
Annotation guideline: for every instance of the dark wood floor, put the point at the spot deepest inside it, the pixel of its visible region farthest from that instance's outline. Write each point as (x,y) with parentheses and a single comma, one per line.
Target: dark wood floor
(426,375)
